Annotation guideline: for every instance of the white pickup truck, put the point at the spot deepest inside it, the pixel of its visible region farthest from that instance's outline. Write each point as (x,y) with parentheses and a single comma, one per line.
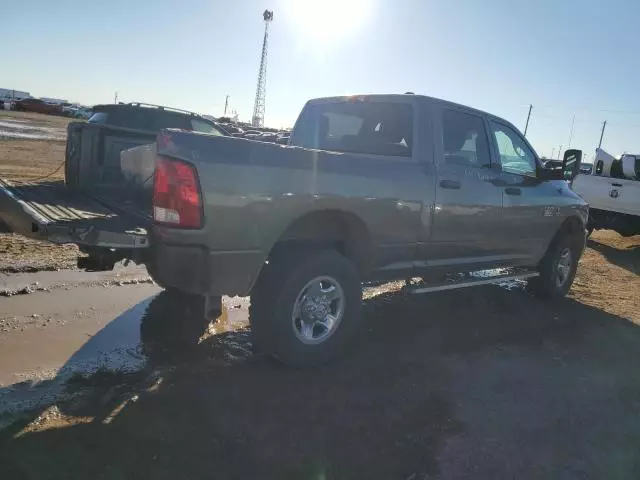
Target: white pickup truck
(613,193)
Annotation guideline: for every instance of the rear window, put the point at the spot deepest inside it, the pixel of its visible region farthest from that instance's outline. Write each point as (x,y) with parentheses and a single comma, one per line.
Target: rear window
(379,128)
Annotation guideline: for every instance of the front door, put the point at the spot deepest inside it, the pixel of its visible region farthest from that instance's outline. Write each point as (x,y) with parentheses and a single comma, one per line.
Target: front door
(468,204)
(531,212)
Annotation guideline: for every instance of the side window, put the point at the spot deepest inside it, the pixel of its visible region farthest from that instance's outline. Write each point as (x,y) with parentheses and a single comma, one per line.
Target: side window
(464,139)
(198,125)
(616,169)
(515,155)
(599,167)
(378,128)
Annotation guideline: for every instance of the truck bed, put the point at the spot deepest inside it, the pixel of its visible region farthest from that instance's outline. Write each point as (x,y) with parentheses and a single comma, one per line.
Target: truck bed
(54,212)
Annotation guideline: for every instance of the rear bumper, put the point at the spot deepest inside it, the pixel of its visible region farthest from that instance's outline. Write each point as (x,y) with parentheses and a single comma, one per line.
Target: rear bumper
(195,269)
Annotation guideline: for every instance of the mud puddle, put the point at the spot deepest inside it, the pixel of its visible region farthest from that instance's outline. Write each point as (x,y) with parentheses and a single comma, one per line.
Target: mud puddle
(11,129)
(47,339)
(24,283)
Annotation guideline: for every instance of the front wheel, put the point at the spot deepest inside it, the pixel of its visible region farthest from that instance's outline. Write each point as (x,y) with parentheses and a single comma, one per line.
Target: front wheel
(306,306)
(558,268)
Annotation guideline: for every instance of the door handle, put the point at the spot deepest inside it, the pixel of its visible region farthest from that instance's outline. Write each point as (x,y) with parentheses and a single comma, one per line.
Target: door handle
(512,191)
(452,184)
(616,184)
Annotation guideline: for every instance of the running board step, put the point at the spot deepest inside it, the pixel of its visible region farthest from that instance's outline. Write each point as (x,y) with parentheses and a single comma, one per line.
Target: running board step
(472,281)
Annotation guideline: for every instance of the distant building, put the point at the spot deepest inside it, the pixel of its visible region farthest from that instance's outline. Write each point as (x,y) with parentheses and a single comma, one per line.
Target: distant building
(55,101)
(13,94)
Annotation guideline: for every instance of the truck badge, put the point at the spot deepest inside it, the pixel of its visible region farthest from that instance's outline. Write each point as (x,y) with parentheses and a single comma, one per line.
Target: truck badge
(551,211)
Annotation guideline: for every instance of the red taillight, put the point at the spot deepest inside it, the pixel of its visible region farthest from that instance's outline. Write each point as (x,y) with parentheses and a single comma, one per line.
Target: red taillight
(176,196)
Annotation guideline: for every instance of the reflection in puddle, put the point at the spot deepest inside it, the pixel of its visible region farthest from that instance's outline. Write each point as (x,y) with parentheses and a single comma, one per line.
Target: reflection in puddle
(157,332)
(173,329)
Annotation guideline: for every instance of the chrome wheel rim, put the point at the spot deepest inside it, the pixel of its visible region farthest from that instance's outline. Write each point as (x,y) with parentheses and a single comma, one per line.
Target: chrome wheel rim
(563,269)
(318,310)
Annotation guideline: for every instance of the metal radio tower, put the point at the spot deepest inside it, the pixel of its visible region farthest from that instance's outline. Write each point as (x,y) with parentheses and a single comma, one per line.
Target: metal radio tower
(261,90)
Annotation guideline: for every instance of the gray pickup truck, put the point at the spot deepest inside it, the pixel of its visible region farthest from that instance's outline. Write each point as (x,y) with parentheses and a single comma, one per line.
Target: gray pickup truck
(370,188)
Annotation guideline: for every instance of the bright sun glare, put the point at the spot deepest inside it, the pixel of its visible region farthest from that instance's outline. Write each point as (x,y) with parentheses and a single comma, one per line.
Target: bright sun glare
(326,22)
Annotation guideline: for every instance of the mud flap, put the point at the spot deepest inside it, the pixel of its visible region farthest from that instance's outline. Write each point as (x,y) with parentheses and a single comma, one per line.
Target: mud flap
(58,214)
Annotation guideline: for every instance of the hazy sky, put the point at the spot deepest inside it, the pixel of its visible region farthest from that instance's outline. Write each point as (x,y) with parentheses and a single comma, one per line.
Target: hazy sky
(566,57)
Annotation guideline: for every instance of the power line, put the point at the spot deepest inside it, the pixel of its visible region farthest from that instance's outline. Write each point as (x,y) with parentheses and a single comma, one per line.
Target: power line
(604,124)
(528,117)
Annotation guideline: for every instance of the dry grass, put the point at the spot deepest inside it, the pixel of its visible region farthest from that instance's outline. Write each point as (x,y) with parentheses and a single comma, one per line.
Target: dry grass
(31,159)
(27,160)
(609,275)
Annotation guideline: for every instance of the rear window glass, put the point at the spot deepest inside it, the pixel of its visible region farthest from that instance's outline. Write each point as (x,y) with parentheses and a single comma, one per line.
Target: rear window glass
(164,119)
(130,117)
(379,128)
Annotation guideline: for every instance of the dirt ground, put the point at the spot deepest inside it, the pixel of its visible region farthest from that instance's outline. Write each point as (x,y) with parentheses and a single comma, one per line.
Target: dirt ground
(24,160)
(481,383)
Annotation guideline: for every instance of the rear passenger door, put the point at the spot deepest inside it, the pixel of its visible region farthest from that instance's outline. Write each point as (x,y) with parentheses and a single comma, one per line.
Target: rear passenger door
(468,204)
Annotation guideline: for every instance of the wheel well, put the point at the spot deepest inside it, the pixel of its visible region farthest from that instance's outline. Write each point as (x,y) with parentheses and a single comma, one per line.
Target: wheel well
(337,229)
(572,226)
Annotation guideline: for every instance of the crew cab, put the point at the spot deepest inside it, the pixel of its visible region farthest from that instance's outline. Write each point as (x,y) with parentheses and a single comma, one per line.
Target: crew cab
(612,190)
(370,188)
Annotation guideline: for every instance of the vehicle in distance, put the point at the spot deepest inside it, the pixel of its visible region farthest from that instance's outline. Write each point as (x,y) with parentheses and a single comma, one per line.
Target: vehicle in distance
(370,188)
(612,190)
(94,146)
(38,106)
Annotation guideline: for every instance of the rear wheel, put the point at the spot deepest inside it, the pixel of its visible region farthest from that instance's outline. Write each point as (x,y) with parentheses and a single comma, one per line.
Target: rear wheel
(306,306)
(558,268)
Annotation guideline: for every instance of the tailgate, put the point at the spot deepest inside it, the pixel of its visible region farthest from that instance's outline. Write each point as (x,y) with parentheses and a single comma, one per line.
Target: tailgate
(59,214)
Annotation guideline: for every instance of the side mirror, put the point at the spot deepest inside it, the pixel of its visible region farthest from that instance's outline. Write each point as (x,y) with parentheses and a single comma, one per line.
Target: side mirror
(571,164)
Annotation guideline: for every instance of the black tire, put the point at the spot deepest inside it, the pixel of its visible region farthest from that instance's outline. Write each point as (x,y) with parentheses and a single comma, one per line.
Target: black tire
(589,231)
(280,284)
(549,284)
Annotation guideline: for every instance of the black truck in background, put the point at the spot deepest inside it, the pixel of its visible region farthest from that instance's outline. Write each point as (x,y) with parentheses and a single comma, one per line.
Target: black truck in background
(116,127)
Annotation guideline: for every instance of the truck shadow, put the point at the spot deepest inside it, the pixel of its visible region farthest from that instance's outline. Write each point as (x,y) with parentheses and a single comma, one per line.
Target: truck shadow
(627,258)
(393,407)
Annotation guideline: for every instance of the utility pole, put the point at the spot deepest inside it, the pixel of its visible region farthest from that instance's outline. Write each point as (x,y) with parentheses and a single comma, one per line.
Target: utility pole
(573,121)
(115,97)
(226,104)
(528,116)
(559,152)
(604,124)
(553,151)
